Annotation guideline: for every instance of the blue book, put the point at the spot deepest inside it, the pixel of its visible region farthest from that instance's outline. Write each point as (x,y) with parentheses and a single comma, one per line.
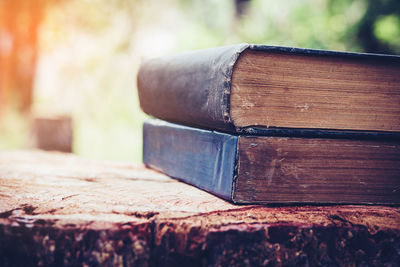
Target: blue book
(319,168)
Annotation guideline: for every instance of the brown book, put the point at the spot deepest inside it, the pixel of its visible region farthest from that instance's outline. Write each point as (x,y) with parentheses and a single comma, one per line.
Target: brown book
(269,169)
(238,87)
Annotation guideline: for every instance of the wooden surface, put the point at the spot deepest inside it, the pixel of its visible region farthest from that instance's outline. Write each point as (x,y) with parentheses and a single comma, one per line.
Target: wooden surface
(57,209)
(310,91)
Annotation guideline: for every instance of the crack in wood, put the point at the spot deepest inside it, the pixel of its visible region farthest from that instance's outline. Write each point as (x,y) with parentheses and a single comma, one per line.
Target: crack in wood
(64,198)
(6,214)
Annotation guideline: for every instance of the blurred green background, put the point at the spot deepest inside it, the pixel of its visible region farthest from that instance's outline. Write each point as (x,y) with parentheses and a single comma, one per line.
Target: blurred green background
(80,57)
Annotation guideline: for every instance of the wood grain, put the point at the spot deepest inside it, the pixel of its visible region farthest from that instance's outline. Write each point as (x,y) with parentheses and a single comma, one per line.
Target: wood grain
(275,169)
(309,91)
(57,209)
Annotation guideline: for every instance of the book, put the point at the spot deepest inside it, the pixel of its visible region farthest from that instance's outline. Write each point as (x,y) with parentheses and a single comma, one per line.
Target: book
(270,169)
(244,87)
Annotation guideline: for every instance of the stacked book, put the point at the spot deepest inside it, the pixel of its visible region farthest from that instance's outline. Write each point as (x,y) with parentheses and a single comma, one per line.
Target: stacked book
(267,124)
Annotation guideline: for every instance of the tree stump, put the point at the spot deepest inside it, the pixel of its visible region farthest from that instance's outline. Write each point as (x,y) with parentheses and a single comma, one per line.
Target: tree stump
(60,210)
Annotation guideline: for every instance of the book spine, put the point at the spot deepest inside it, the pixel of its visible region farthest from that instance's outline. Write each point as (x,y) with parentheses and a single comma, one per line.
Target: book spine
(191,88)
(205,159)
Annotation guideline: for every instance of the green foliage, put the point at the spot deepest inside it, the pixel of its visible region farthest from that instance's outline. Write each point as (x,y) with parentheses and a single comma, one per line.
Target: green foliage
(323,24)
(13,130)
(387,30)
(91,50)
(87,69)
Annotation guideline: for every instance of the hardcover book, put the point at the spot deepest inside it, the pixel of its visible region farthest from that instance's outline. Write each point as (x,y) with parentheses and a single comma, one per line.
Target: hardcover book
(244,87)
(331,167)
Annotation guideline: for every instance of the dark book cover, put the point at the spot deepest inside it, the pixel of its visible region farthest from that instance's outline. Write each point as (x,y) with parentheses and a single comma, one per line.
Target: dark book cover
(194,88)
(269,169)
(202,158)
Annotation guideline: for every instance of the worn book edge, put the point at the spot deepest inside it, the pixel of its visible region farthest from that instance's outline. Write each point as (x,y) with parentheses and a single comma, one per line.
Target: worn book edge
(196,85)
(208,163)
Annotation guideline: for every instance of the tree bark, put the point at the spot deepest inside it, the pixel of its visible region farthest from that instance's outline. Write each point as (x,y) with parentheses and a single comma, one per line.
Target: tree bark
(58,209)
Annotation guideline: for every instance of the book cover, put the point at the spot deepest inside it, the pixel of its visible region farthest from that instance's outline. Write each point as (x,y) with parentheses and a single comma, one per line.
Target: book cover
(269,169)
(246,87)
